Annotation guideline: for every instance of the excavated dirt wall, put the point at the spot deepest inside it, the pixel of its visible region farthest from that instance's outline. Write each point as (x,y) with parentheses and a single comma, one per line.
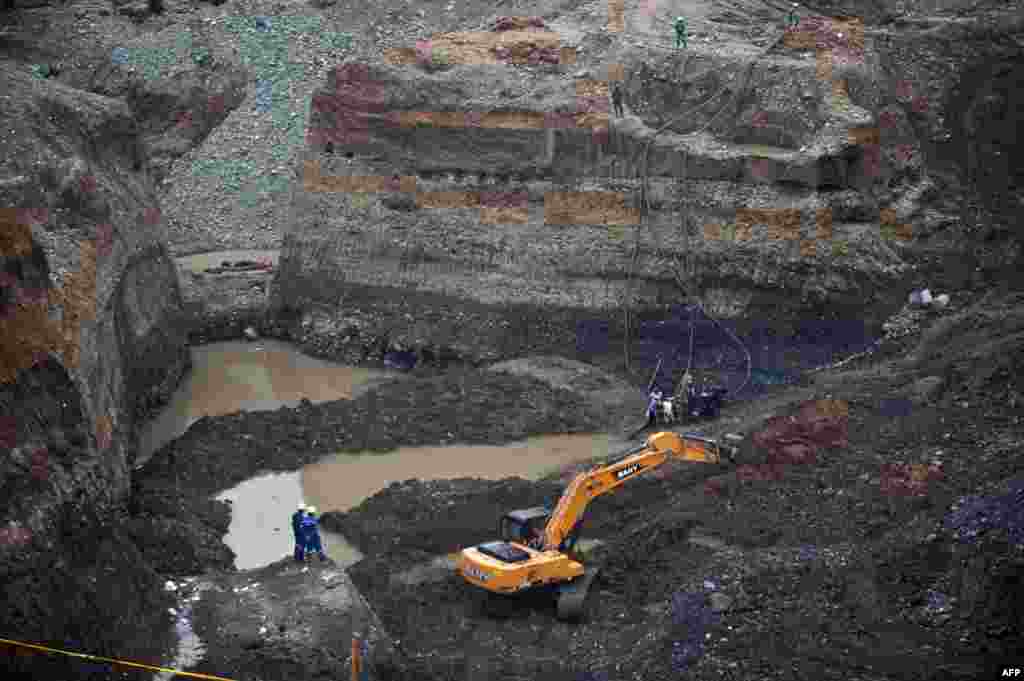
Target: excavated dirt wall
(439,198)
(92,338)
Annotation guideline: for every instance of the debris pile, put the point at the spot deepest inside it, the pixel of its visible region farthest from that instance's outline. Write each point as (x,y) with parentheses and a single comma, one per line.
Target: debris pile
(924,298)
(905,479)
(975,515)
(797,439)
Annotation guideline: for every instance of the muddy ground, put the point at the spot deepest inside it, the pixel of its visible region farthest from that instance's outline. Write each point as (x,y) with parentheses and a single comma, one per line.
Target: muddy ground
(818,571)
(821,571)
(815,572)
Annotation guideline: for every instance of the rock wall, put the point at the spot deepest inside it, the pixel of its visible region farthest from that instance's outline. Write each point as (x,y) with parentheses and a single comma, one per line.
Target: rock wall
(92,340)
(527,210)
(87,288)
(828,172)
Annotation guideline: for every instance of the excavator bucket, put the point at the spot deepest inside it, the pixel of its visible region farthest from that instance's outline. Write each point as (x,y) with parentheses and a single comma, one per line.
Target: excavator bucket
(688,447)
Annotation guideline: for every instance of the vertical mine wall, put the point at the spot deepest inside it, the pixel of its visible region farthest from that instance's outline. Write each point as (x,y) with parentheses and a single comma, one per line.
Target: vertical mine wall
(826,211)
(90,341)
(395,203)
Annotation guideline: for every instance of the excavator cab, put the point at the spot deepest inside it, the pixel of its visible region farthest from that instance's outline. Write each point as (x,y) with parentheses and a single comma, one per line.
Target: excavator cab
(522,528)
(525,525)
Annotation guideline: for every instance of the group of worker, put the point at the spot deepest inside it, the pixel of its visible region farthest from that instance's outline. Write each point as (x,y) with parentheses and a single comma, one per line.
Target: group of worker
(681,38)
(700,402)
(306,528)
(681,42)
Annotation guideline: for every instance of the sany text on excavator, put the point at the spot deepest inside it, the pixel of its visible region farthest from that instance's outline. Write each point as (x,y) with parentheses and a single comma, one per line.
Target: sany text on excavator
(538,547)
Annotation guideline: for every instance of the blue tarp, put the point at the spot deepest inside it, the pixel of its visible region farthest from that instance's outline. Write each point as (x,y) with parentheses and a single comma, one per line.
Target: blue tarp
(400,360)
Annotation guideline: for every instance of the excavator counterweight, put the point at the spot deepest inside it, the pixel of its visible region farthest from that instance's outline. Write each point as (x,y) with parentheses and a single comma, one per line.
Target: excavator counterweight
(537,546)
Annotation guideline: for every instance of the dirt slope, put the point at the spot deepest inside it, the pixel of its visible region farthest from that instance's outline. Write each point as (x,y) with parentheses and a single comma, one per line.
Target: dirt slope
(841,568)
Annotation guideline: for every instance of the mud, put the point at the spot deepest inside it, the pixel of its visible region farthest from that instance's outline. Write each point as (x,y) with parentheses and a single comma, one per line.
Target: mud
(805,560)
(831,569)
(171,492)
(201,262)
(818,572)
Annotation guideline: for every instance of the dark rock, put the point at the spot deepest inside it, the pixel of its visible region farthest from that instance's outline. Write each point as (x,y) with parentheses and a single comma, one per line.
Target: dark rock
(926,389)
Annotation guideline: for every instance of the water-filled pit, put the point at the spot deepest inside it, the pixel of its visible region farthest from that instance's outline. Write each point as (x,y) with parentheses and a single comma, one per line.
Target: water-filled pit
(249,376)
(265,375)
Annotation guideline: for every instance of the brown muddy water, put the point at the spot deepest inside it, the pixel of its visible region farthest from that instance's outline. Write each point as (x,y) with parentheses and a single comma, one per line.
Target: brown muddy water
(249,376)
(260,531)
(267,374)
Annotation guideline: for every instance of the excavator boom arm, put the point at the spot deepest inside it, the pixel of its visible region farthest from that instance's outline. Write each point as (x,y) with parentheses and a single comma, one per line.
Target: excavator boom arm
(606,477)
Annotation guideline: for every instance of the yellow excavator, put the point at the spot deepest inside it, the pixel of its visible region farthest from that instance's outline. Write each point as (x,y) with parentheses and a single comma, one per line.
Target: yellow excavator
(538,547)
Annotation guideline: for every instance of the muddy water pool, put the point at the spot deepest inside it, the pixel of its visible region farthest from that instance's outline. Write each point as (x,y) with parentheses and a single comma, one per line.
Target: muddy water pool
(267,374)
(260,531)
(249,376)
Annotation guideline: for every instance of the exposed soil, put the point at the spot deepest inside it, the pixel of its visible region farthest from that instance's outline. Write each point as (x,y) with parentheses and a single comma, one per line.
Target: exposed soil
(822,570)
(836,568)
(853,566)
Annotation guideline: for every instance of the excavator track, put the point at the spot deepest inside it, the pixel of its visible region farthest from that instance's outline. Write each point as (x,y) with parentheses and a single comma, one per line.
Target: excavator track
(572,597)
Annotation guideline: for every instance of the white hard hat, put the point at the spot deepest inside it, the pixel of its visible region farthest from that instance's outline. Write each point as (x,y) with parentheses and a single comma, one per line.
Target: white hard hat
(311,510)
(302,506)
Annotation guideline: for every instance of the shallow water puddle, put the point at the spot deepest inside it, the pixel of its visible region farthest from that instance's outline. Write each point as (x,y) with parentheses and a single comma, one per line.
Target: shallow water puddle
(190,648)
(248,376)
(260,531)
(200,262)
(342,481)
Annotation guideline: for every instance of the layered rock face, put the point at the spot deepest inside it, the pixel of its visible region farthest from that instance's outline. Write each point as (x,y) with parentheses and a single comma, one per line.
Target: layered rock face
(805,176)
(91,298)
(91,340)
(538,209)
(93,330)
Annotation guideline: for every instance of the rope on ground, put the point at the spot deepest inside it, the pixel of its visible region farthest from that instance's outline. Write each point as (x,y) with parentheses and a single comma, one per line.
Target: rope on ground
(845,361)
(110,660)
(743,347)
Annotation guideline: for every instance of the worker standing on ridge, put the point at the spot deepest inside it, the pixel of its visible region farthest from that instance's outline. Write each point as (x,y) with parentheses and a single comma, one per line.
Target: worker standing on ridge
(300,548)
(792,20)
(617,99)
(311,534)
(680,32)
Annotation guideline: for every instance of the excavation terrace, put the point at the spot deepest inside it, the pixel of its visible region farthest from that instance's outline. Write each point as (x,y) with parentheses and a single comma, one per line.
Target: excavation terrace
(233,276)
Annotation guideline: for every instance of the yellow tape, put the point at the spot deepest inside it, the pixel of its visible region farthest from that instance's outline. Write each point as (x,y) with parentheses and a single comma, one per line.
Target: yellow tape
(111,660)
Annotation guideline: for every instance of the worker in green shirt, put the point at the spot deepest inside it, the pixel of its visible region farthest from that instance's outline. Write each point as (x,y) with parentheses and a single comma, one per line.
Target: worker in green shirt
(680,32)
(792,20)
